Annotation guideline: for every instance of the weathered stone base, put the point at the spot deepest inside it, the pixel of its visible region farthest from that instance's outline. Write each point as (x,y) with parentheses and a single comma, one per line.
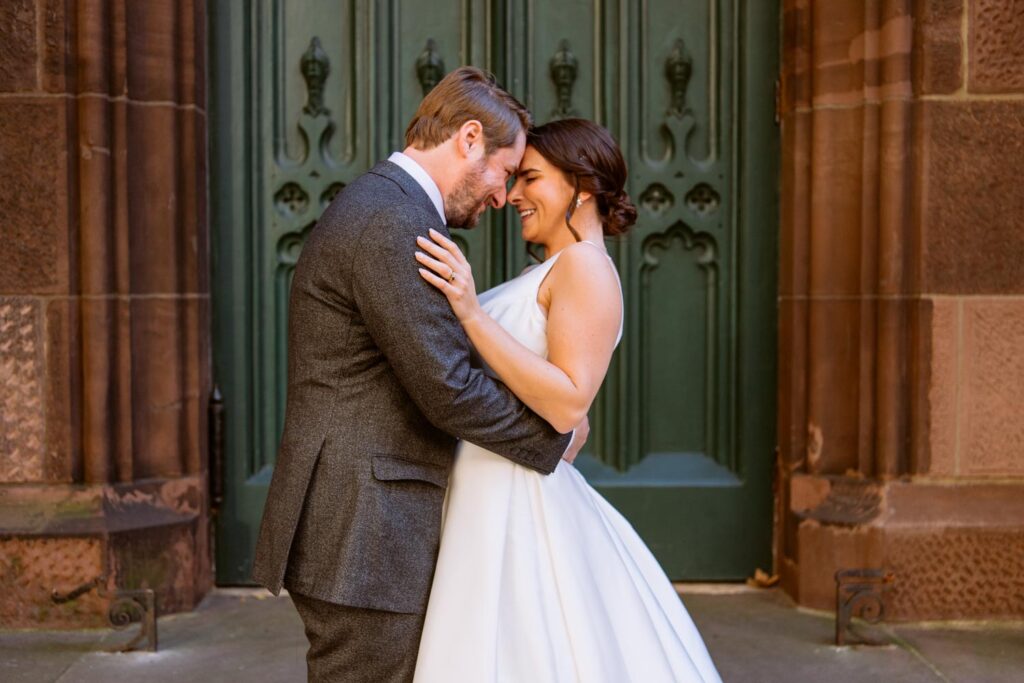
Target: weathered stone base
(150,534)
(957,549)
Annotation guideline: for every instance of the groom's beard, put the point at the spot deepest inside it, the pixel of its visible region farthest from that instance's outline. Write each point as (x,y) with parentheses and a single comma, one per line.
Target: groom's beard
(467,201)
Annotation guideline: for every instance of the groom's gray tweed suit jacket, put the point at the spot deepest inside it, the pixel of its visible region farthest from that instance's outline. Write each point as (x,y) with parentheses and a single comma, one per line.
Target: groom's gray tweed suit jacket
(379,388)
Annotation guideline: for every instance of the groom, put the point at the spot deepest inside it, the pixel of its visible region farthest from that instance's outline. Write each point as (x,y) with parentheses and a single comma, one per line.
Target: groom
(380,388)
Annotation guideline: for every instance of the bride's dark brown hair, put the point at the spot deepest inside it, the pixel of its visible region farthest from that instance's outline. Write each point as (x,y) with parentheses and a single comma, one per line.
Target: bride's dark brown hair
(592,162)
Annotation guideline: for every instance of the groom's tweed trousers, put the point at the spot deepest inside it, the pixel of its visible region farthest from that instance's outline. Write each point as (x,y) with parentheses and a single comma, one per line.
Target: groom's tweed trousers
(380,387)
(356,645)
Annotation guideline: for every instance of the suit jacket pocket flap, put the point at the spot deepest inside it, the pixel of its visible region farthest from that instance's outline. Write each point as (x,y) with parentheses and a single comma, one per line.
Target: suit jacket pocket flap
(392,468)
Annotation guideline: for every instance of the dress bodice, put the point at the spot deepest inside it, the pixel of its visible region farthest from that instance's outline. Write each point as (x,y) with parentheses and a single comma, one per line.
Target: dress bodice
(513,304)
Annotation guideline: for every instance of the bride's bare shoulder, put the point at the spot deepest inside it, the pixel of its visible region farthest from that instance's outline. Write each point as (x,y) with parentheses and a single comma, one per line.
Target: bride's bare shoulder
(586,257)
(588,267)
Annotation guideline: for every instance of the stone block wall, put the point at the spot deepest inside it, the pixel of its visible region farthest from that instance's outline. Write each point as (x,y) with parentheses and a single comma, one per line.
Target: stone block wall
(104,304)
(901,397)
(971,223)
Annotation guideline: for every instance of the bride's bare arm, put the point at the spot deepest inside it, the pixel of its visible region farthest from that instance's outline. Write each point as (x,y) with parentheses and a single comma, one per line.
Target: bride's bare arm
(584,313)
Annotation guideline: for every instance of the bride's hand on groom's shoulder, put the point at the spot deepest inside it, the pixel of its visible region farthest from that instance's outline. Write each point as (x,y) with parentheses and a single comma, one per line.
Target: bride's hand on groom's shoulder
(445,267)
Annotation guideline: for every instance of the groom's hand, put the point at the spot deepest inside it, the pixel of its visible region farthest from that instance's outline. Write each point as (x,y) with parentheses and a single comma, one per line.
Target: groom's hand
(579,438)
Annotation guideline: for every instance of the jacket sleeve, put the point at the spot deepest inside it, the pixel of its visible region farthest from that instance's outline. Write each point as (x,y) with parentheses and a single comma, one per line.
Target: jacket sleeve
(424,343)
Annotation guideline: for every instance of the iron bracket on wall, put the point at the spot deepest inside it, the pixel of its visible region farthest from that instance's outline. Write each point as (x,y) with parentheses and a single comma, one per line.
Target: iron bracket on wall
(859,593)
(126,607)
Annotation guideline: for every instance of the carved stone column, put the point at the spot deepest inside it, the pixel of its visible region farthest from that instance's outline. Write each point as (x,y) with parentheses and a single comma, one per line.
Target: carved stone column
(111,291)
(870,93)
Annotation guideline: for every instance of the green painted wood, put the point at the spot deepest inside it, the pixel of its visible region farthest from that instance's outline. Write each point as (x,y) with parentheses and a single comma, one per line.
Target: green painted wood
(306,95)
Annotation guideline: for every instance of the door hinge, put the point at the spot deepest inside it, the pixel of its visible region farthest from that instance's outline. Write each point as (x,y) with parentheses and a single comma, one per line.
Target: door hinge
(216,427)
(778,101)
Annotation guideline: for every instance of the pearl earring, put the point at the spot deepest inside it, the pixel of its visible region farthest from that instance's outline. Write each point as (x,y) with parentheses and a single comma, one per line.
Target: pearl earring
(579,203)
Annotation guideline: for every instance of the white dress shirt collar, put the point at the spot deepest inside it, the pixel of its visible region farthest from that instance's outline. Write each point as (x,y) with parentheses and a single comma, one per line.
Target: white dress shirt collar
(409,165)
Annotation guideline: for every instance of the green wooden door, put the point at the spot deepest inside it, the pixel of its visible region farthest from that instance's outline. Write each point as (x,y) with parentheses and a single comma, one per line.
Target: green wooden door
(306,95)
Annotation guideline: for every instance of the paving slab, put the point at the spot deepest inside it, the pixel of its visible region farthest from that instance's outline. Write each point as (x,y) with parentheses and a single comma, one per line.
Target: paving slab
(754,636)
(992,652)
(761,636)
(233,636)
(37,656)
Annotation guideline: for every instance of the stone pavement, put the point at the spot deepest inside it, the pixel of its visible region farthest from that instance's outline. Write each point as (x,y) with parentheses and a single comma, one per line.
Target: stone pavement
(753,635)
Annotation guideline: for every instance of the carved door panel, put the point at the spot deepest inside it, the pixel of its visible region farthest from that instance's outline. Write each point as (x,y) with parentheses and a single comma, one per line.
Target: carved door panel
(306,95)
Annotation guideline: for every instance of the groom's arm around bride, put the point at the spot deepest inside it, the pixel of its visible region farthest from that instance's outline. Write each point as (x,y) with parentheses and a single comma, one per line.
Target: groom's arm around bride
(380,387)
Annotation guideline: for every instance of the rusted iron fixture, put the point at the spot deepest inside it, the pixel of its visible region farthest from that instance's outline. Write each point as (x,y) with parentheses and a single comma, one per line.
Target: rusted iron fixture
(126,608)
(859,593)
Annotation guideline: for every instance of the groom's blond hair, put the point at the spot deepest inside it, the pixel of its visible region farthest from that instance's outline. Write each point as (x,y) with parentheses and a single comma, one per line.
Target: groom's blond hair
(466,94)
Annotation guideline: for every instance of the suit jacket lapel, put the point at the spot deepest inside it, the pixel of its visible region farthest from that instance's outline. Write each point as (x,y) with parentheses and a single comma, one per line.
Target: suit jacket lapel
(392,171)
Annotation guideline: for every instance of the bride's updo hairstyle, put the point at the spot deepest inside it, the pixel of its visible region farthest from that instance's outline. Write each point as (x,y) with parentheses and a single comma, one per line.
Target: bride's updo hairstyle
(591,160)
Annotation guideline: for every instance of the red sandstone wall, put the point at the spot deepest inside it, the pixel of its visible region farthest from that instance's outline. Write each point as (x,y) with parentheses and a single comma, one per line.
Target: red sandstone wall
(970,114)
(35,271)
(104,303)
(901,366)
(104,250)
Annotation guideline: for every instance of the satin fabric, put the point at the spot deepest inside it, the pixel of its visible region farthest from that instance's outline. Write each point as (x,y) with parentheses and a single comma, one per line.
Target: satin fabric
(539,578)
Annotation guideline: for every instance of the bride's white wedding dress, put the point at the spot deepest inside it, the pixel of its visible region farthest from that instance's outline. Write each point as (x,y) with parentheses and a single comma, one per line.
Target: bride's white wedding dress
(539,578)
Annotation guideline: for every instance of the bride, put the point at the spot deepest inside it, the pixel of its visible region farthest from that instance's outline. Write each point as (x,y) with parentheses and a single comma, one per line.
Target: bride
(539,578)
